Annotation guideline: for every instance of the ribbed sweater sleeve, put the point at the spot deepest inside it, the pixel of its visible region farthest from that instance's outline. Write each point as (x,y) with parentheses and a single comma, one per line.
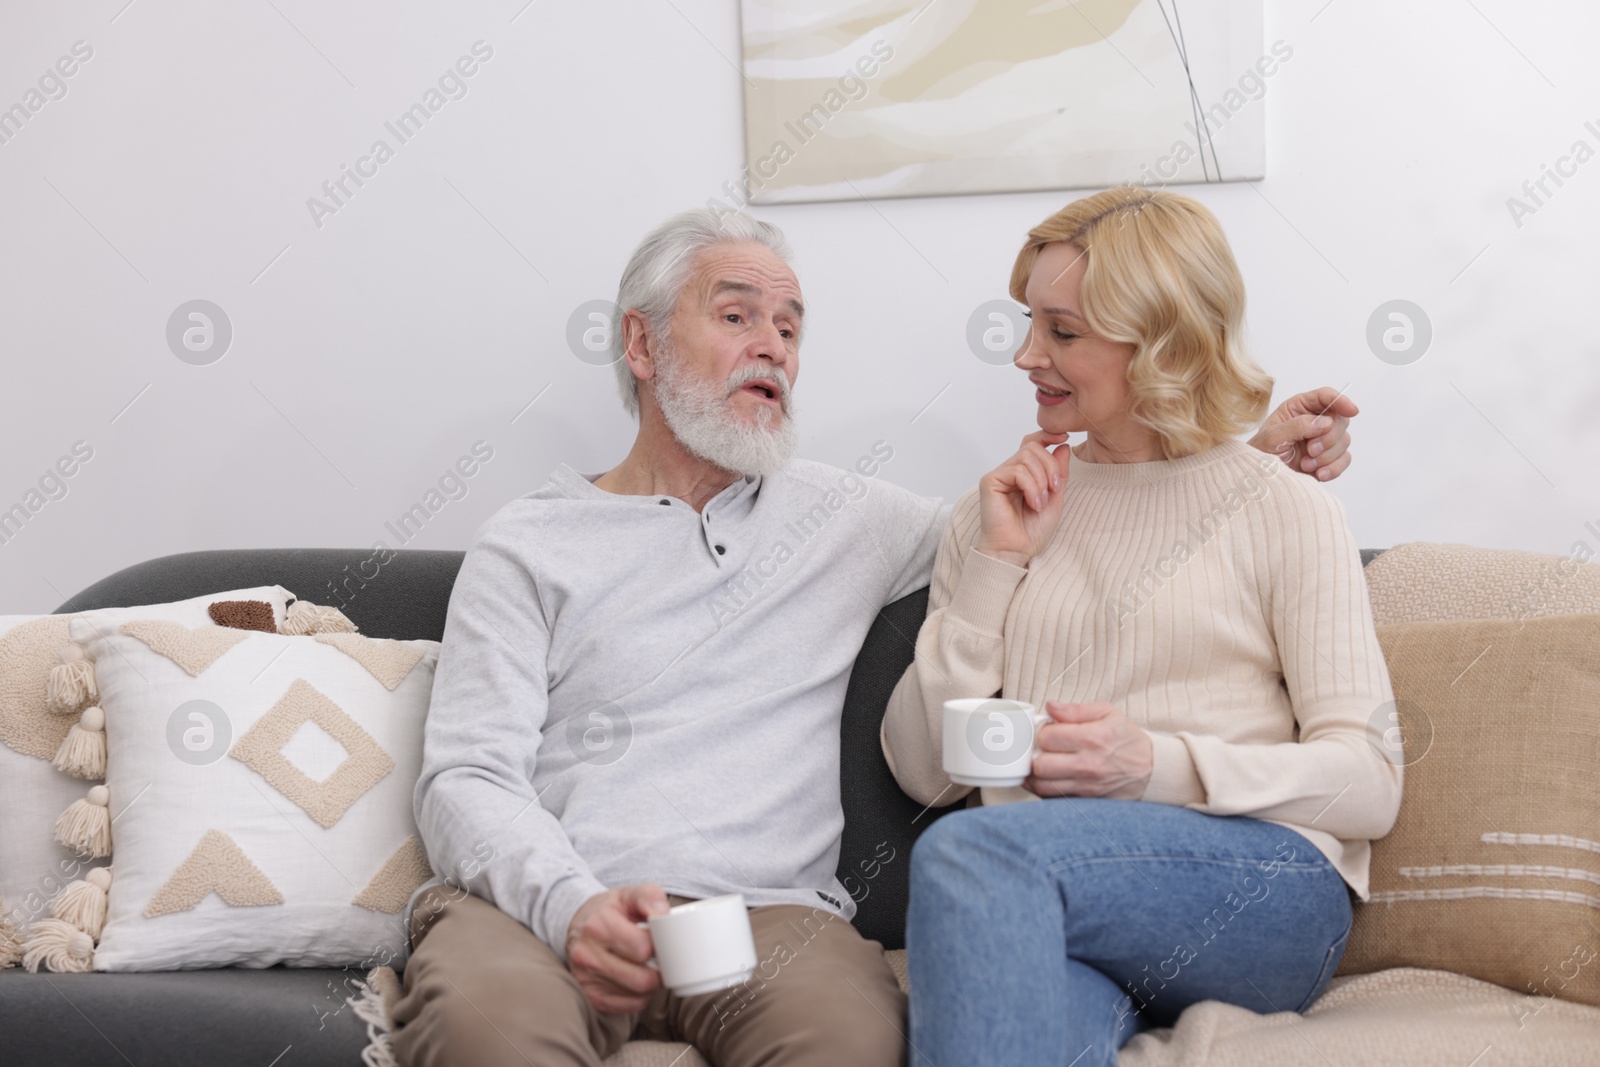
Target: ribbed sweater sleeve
(1333,778)
(960,653)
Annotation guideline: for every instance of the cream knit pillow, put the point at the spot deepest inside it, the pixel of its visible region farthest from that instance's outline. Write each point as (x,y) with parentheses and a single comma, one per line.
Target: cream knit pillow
(1420,581)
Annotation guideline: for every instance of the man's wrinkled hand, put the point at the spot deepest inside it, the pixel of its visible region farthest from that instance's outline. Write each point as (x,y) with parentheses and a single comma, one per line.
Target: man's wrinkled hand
(608,951)
(1310,432)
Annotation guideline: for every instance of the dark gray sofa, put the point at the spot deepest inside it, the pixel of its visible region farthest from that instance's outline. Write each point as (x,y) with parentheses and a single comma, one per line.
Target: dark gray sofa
(284,1017)
(239,1016)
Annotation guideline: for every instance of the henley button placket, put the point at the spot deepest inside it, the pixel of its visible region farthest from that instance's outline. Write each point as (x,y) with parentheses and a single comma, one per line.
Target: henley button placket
(727,497)
(721,549)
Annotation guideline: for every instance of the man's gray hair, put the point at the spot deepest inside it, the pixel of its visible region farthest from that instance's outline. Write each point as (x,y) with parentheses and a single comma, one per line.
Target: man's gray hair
(656,275)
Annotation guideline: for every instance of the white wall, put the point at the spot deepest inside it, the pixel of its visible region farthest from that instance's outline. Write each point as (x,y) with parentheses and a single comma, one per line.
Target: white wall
(379,347)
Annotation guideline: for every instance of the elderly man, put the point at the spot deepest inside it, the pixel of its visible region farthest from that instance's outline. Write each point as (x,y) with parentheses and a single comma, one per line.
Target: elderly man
(638,701)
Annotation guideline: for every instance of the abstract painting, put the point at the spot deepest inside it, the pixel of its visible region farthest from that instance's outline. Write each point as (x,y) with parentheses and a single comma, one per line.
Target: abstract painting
(878,98)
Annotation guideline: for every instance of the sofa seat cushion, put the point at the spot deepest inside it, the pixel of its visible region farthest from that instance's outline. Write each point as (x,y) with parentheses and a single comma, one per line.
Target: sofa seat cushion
(657,1054)
(1403,1017)
(1400,1017)
(180,1018)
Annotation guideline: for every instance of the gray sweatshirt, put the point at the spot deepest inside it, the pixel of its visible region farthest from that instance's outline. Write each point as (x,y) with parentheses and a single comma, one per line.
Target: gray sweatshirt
(629,691)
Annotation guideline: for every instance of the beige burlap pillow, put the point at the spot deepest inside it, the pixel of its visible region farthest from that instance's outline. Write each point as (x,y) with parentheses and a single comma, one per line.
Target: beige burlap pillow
(1493,868)
(1419,581)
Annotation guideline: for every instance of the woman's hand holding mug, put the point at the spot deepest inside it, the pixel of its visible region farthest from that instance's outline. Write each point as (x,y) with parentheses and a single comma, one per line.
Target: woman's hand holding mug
(1019,502)
(1090,750)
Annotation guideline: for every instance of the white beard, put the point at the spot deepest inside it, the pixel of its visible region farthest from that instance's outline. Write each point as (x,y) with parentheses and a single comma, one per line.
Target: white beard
(700,415)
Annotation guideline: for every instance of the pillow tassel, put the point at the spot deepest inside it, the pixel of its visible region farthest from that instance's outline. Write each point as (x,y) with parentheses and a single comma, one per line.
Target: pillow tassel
(374,1005)
(59,946)
(303,618)
(72,683)
(83,751)
(86,825)
(10,940)
(83,903)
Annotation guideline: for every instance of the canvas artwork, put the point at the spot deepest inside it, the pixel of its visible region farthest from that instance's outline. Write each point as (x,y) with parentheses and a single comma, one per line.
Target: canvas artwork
(877,98)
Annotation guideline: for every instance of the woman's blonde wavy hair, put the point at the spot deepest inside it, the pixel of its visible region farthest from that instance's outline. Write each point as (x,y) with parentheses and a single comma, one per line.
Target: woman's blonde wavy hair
(1159,275)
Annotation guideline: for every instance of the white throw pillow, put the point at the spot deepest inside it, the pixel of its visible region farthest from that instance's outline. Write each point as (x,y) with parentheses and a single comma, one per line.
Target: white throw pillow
(261,790)
(34,868)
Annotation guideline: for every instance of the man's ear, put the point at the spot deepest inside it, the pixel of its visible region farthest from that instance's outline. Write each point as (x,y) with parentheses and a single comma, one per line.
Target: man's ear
(636,345)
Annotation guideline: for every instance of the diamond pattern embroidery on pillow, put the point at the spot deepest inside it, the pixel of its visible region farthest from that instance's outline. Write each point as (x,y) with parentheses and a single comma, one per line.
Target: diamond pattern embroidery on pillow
(325,801)
(193,650)
(217,865)
(388,661)
(393,885)
(26,655)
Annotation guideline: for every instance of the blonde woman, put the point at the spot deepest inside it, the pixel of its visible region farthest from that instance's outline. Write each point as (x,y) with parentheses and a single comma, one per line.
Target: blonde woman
(1197,628)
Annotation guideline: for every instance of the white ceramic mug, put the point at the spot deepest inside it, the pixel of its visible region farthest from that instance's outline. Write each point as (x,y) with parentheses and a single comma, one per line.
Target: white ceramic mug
(704,945)
(989,741)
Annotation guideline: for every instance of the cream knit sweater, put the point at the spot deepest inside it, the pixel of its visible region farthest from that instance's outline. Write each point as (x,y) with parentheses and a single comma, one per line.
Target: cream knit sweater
(1216,600)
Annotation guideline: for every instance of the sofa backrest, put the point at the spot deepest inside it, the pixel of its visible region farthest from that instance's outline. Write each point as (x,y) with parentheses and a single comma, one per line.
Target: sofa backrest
(401,594)
(404,594)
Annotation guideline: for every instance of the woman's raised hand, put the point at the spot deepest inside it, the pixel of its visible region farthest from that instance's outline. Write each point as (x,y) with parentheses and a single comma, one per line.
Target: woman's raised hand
(1019,502)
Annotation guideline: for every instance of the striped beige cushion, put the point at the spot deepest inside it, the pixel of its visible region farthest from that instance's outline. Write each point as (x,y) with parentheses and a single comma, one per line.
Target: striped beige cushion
(1493,867)
(1419,581)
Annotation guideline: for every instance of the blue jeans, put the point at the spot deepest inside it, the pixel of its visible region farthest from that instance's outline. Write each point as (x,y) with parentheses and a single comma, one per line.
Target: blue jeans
(1052,932)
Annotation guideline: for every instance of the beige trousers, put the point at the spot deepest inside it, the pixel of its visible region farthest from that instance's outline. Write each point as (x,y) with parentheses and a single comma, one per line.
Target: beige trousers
(480,989)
